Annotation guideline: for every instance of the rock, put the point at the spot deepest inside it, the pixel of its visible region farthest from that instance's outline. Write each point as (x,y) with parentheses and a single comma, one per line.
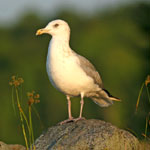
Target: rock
(16,147)
(86,135)
(4,146)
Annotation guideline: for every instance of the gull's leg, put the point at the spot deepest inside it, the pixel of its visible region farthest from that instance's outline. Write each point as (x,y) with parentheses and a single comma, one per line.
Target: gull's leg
(82,103)
(70,119)
(69,108)
(81,108)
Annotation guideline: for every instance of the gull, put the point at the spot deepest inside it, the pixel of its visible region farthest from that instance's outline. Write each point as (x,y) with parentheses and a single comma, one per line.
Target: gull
(71,73)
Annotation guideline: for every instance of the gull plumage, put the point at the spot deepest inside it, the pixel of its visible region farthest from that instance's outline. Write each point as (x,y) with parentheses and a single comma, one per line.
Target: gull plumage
(71,73)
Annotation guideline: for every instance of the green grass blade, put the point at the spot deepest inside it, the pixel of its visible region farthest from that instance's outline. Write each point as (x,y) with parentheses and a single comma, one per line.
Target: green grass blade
(38,116)
(13,101)
(21,118)
(31,127)
(146,125)
(138,100)
(148,93)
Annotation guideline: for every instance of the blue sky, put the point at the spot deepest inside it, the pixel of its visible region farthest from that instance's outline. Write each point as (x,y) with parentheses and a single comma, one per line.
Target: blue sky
(11,10)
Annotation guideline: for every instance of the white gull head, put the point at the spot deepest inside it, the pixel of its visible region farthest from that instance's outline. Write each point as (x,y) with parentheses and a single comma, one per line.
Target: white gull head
(55,28)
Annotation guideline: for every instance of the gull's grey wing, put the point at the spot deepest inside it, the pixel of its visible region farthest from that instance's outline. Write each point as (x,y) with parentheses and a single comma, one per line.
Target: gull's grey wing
(90,70)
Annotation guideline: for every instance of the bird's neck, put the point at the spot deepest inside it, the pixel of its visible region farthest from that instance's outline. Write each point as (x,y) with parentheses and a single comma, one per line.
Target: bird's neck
(60,43)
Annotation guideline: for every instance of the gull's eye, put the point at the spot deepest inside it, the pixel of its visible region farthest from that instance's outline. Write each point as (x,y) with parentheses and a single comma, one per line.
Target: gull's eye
(56,25)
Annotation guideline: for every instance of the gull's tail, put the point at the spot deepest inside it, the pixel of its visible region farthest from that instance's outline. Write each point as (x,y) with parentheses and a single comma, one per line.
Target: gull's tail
(104,98)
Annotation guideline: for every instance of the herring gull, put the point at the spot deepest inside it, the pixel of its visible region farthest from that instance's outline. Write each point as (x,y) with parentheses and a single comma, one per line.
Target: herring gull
(71,73)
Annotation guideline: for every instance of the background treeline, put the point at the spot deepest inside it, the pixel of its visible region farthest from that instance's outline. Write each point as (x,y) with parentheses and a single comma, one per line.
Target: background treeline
(116,41)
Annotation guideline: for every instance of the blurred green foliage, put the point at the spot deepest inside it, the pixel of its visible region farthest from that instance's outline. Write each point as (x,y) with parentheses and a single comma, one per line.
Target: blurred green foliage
(115,41)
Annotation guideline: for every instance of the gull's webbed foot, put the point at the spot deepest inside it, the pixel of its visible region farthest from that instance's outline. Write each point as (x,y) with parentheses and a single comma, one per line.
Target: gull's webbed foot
(67,121)
(71,120)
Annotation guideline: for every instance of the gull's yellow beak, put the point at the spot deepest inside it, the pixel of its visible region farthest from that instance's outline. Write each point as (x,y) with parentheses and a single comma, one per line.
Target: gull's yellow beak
(41,31)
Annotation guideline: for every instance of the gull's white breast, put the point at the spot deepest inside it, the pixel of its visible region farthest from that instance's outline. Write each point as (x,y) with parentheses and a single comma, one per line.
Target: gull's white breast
(65,72)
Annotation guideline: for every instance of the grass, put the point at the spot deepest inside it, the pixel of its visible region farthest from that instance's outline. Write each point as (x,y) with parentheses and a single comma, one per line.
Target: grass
(26,120)
(147,122)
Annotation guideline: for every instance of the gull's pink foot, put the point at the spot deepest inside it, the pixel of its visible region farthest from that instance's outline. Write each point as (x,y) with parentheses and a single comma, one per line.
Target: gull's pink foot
(78,119)
(67,121)
(71,120)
